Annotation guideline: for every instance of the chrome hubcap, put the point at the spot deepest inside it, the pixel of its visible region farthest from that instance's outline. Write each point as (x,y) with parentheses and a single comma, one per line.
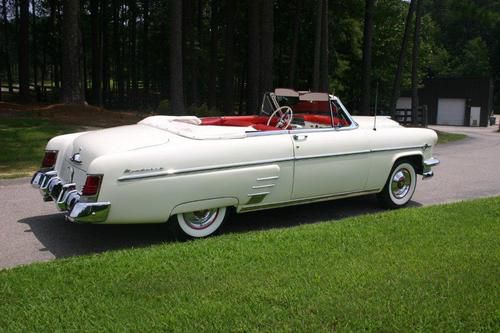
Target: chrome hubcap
(401,183)
(201,219)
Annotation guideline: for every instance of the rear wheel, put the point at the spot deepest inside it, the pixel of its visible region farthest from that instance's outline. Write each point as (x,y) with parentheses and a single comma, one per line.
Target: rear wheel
(201,223)
(400,186)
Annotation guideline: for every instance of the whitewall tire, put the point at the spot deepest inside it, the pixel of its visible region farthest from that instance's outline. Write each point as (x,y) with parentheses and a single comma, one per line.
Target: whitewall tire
(201,223)
(400,185)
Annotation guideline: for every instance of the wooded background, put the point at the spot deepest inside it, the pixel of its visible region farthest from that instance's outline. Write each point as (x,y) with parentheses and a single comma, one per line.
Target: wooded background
(196,55)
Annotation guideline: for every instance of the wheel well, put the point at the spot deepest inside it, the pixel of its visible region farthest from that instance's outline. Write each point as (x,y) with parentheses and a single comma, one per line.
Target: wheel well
(415,160)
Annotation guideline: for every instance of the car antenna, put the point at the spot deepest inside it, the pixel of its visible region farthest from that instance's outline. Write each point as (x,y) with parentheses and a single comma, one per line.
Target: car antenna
(375,111)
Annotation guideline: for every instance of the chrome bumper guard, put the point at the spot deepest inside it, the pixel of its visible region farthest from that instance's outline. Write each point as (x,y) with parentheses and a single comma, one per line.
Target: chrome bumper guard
(67,198)
(428,164)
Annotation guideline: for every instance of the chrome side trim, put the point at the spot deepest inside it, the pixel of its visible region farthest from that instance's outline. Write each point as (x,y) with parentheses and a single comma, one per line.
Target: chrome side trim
(399,148)
(263,186)
(308,157)
(257,194)
(267,178)
(309,200)
(171,172)
(265,133)
(202,169)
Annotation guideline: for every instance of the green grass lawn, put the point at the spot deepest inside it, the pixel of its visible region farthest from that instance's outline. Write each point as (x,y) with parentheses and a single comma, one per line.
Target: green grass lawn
(432,269)
(22,144)
(446,137)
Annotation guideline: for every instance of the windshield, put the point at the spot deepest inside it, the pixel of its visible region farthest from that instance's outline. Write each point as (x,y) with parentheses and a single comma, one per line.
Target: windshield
(310,110)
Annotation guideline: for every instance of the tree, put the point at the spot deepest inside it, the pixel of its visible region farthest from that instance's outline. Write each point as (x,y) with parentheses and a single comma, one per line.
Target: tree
(132,63)
(401,60)
(267,47)
(96,52)
(323,74)
(72,88)
(414,65)
(35,51)
(6,55)
(24,49)
(228,76)
(253,76)
(145,48)
(117,51)
(295,43)
(317,45)
(176,78)
(213,60)
(367,57)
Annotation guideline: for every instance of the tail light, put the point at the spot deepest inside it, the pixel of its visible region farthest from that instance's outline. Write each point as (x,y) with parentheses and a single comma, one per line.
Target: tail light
(49,159)
(92,185)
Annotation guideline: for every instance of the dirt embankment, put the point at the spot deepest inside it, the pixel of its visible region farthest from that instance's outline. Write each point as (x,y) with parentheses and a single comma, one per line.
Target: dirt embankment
(83,115)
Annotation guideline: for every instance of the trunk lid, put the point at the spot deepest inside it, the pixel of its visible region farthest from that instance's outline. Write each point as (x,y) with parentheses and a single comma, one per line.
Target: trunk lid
(113,140)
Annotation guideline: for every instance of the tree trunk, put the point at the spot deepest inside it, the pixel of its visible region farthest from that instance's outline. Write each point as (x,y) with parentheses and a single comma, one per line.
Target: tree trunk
(117,51)
(72,90)
(414,65)
(228,79)
(133,53)
(35,51)
(6,53)
(24,49)
(266,50)
(176,80)
(295,44)
(187,48)
(96,52)
(104,51)
(401,61)
(367,58)
(145,50)
(195,43)
(253,93)
(317,45)
(323,74)
(212,69)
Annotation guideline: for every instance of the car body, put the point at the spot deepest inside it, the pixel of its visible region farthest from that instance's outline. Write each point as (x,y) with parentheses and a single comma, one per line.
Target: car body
(303,147)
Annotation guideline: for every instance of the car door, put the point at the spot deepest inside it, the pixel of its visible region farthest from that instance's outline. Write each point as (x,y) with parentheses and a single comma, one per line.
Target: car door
(330,161)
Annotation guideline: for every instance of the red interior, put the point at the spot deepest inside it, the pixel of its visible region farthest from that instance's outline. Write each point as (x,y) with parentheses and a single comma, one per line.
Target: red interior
(315,112)
(260,122)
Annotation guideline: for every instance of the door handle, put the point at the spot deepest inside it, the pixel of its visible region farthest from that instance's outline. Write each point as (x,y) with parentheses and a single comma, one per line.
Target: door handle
(300,137)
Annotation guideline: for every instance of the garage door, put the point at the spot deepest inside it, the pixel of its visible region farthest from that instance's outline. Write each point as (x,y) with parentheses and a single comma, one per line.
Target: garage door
(451,111)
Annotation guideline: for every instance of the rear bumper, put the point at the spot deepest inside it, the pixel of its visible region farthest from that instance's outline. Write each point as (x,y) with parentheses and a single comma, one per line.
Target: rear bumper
(68,199)
(428,164)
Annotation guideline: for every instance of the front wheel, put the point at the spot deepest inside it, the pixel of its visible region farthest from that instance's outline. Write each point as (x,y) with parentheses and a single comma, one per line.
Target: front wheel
(201,223)
(400,186)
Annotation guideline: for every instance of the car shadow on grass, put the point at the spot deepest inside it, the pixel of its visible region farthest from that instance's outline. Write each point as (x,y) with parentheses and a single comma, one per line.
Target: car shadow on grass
(65,239)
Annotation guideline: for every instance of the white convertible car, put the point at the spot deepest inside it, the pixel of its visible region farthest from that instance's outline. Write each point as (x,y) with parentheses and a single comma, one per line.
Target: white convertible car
(303,147)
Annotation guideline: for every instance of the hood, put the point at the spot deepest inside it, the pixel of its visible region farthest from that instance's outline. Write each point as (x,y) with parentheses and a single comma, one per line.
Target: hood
(93,144)
(367,122)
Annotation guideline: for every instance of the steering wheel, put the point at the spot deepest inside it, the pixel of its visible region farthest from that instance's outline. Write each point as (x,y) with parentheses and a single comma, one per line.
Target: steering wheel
(284,117)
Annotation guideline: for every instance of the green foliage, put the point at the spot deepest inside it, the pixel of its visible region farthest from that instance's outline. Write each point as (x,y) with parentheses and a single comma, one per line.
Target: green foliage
(432,269)
(474,59)
(164,107)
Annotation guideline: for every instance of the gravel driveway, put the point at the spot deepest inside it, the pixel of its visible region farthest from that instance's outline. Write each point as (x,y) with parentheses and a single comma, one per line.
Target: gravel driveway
(32,230)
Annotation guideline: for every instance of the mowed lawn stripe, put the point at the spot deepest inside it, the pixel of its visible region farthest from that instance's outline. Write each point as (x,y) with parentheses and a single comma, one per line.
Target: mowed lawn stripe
(419,269)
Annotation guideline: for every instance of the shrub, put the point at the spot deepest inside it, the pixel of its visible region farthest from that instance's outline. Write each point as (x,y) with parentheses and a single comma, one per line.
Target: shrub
(164,107)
